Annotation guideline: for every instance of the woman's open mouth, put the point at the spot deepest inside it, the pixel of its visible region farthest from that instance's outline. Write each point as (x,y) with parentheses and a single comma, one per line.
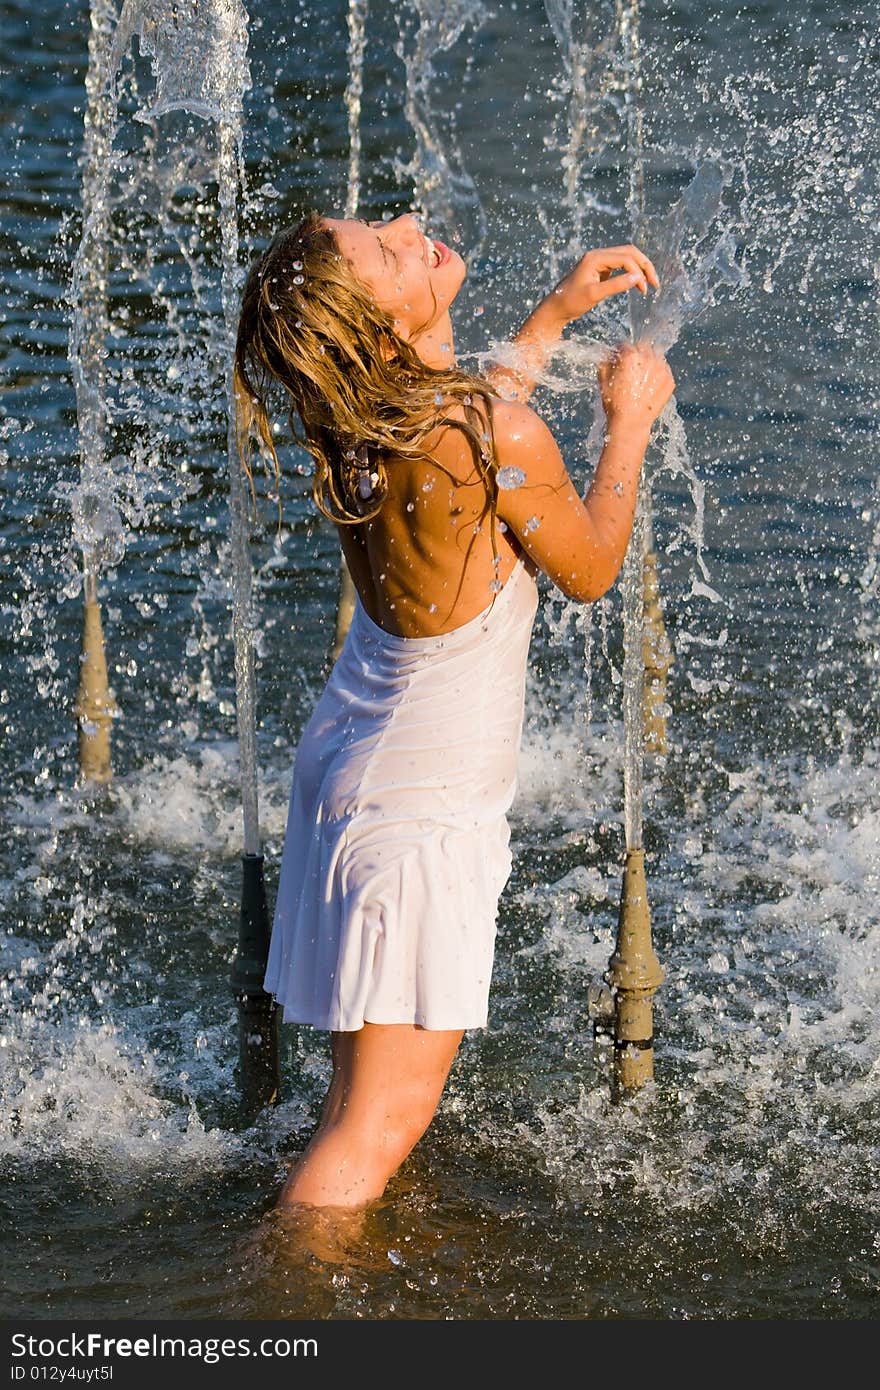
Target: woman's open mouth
(438,254)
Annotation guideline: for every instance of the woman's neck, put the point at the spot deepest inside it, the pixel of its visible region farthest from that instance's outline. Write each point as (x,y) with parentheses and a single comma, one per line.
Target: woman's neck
(436,346)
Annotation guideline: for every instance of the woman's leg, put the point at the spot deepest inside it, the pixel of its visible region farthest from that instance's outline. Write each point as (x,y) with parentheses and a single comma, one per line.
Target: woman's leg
(387,1081)
(339,1050)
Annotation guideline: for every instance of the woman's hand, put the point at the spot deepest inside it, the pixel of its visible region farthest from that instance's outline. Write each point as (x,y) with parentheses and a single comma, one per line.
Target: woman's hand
(591,280)
(636,384)
(594,279)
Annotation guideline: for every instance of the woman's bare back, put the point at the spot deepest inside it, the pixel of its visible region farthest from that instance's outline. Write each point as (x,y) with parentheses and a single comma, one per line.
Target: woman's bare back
(424,564)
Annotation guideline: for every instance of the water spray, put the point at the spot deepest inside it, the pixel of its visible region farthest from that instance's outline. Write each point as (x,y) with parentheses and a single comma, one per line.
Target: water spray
(634,973)
(93,520)
(357,25)
(656,646)
(198,52)
(445,197)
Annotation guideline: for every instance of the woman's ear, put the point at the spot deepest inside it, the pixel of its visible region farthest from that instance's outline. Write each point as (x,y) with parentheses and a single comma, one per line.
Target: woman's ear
(387,345)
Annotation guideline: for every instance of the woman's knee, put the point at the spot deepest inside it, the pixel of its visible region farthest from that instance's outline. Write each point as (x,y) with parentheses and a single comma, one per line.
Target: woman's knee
(382,1130)
(404,1123)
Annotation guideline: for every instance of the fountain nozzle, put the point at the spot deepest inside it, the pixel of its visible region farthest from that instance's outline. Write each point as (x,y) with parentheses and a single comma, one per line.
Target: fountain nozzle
(95,706)
(634,973)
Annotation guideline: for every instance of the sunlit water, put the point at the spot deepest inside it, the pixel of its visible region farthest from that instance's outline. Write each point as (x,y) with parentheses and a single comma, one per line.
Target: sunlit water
(745,1181)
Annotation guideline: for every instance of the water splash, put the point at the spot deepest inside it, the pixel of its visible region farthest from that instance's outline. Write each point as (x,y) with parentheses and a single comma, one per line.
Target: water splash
(695,258)
(199,59)
(197,51)
(354,90)
(445,196)
(97,524)
(588,89)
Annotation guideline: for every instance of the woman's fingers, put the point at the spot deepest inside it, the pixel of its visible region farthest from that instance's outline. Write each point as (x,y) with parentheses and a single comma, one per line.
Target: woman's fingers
(611,258)
(634,376)
(599,274)
(616,284)
(632,266)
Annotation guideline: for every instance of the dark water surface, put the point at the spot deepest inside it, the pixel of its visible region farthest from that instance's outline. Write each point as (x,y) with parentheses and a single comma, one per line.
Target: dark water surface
(744,1182)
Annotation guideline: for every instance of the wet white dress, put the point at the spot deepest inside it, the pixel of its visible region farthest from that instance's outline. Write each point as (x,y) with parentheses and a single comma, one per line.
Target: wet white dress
(397,840)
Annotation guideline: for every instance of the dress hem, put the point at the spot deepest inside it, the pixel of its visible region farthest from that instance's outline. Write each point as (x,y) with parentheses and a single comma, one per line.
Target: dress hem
(327,1026)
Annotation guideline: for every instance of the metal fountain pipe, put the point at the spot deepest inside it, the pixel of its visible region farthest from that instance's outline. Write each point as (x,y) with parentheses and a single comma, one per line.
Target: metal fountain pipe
(94,706)
(634,972)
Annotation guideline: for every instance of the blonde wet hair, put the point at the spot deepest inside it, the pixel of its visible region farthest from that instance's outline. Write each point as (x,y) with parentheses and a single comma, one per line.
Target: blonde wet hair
(360,392)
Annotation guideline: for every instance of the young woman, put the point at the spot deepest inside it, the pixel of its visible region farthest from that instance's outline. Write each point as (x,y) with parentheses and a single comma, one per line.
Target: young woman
(449,494)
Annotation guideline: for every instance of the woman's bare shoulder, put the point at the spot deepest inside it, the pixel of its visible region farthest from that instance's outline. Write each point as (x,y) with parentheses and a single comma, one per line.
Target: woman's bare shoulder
(450,443)
(524,441)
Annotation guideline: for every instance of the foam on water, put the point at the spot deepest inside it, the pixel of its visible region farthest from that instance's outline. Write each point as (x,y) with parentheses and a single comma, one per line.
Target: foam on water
(88,1093)
(185,801)
(768,1027)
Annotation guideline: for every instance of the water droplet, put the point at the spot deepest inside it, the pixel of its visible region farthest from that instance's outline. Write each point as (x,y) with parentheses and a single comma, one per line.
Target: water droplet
(532,524)
(438,399)
(718,963)
(297,265)
(410,506)
(479,311)
(432,608)
(426,487)
(496,586)
(618,488)
(510,478)
(299,279)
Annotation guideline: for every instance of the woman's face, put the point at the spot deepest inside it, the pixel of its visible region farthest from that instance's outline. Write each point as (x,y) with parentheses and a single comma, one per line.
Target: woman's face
(412,277)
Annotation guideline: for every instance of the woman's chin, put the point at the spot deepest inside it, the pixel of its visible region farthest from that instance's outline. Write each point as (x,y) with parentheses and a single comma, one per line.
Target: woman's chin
(458,264)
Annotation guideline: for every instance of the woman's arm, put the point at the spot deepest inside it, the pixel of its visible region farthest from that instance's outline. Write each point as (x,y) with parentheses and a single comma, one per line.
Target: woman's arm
(580,542)
(592,280)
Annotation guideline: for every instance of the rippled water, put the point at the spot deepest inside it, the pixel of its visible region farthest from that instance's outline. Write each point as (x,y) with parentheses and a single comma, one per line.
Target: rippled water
(744,1183)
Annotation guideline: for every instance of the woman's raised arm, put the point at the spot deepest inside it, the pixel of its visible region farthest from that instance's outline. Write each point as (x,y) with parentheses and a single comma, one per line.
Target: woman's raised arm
(594,278)
(580,542)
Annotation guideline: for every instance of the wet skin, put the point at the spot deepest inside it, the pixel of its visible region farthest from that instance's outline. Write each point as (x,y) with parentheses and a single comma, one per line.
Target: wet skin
(424,564)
